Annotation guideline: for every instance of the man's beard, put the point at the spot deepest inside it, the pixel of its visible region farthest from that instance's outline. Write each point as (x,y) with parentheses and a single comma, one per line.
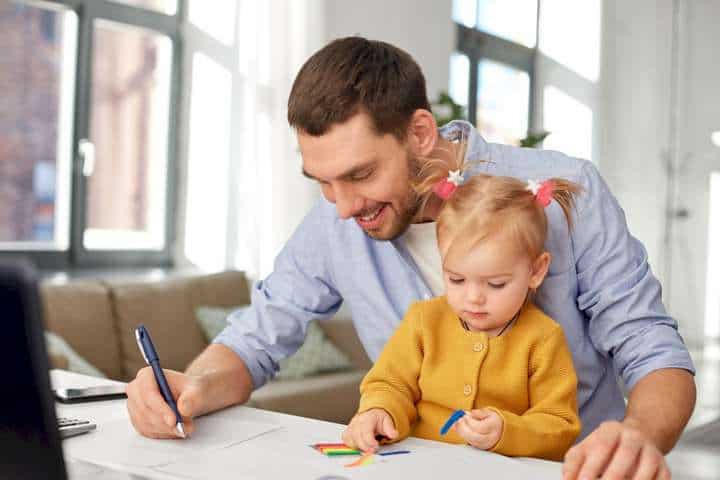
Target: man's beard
(413,202)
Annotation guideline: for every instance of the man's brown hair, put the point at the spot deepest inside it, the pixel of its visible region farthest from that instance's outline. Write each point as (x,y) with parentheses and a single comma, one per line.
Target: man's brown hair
(355,74)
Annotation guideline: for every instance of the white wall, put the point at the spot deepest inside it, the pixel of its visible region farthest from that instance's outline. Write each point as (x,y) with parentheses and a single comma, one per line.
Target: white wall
(638,138)
(423,28)
(698,117)
(635,73)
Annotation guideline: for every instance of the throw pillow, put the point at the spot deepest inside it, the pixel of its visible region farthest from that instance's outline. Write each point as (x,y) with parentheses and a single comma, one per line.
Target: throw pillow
(316,355)
(56,345)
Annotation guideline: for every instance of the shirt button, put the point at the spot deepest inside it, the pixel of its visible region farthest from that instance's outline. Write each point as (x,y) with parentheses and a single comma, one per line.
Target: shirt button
(467,390)
(478,347)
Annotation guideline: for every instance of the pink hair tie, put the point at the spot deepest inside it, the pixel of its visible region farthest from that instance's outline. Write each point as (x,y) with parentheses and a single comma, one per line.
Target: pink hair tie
(543,191)
(447,186)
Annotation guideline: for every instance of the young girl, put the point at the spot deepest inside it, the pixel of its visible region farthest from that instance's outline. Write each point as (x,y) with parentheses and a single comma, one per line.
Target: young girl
(484,347)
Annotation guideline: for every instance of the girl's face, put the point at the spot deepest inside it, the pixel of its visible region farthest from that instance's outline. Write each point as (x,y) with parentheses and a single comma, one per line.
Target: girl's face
(488,285)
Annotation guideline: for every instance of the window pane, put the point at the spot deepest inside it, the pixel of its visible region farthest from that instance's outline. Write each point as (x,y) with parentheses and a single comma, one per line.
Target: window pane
(459,78)
(569,122)
(129,128)
(582,54)
(37,67)
(216,20)
(163,6)
(514,20)
(503,100)
(208,163)
(465,12)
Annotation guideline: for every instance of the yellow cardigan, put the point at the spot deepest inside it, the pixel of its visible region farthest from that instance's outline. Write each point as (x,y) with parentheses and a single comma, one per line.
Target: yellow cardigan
(432,366)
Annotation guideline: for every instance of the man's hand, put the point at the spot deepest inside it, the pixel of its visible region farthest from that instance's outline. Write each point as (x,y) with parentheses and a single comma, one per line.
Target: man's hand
(480,428)
(615,451)
(151,415)
(364,427)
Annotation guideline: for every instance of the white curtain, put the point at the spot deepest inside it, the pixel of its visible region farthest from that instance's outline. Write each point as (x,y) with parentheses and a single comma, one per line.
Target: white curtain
(243,193)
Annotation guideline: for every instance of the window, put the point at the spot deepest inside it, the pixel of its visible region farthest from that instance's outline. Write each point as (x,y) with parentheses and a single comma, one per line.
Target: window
(128,130)
(502,102)
(37,70)
(515,21)
(208,164)
(494,64)
(87,133)
(169,7)
(520,73)
(571,122)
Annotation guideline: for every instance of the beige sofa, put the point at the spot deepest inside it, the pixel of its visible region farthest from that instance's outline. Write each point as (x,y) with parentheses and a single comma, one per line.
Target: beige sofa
(97,318)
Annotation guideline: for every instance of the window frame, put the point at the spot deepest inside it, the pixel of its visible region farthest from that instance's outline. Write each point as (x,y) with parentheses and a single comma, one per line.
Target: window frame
(77,256)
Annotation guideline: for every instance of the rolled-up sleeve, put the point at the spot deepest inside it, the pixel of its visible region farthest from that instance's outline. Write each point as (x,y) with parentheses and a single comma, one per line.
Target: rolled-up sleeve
(298,291)
(618,291)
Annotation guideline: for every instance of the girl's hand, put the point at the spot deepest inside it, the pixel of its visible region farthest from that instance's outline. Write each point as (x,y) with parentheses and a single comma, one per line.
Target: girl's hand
(480,428)
(364,427)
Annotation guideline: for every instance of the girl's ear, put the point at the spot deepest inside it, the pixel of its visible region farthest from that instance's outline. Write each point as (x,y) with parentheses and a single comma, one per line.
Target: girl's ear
(539,270)
(422,133)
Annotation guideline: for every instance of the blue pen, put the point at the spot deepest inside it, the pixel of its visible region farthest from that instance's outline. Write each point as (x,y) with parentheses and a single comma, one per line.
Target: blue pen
(151,358)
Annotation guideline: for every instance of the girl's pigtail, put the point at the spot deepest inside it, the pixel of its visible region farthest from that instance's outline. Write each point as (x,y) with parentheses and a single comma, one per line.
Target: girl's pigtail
(564,193)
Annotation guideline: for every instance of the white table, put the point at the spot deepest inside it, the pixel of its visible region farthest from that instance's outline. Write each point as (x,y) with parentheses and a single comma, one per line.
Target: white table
(285,453)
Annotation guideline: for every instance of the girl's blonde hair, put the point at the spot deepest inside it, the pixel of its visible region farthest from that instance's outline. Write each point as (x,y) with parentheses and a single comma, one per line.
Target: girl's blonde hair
(486,205)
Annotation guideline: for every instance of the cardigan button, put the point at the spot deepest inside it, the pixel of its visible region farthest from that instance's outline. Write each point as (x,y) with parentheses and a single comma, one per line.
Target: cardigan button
(478,347)
(467,390)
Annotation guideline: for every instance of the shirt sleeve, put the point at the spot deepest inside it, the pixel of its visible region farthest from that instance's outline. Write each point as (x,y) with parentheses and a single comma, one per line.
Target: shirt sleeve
(551,424)
(392,383)
(299,290)
(618,291)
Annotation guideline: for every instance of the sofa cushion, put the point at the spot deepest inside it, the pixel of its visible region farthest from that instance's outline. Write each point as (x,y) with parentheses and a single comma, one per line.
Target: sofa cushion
(167,309)
(81,313)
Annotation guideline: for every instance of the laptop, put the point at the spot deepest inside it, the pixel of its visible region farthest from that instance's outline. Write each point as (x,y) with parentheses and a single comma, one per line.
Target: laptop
(30,445)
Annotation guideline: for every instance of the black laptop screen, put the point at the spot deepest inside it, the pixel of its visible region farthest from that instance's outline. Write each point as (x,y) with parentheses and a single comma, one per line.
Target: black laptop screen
(29,442)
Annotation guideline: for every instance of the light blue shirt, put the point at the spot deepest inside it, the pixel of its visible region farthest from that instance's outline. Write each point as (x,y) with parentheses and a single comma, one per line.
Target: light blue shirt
(599,288)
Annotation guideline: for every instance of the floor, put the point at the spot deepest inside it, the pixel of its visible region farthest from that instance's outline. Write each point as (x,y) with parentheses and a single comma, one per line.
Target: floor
(697,455)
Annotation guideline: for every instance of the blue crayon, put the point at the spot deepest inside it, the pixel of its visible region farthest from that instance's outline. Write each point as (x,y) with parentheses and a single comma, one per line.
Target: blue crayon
(457,415)
(396,452)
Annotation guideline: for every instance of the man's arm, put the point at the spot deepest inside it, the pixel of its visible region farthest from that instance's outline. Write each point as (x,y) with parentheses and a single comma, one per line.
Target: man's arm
(224,378)
(660,406)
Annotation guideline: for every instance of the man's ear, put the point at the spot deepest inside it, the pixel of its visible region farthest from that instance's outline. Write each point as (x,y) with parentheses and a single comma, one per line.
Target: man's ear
(539,270)
(422,133)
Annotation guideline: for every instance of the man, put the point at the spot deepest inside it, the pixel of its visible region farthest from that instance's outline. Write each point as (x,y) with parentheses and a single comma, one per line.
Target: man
(364,128)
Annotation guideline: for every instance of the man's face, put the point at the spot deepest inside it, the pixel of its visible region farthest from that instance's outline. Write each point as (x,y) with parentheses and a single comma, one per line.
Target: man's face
(366,175)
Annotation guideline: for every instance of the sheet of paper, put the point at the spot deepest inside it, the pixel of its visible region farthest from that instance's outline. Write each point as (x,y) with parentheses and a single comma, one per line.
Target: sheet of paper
(117,442)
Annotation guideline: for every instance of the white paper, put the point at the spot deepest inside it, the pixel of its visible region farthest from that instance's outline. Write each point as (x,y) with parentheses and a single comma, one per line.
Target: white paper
(117,442)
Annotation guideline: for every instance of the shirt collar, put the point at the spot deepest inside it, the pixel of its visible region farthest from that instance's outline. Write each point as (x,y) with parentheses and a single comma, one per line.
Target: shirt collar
(478,150)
